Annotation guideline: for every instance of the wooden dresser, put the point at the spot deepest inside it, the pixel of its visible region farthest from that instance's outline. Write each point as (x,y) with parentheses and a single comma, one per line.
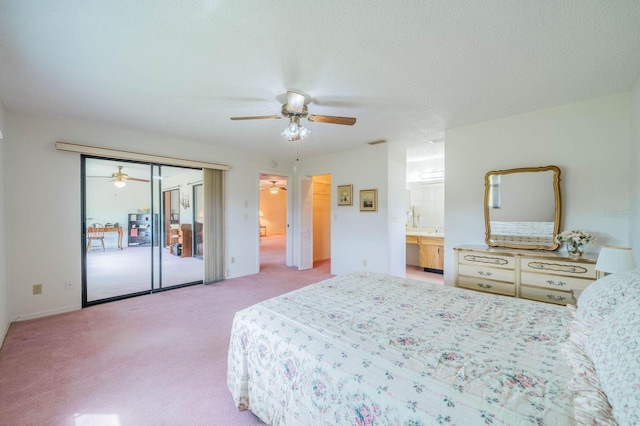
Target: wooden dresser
(545,276)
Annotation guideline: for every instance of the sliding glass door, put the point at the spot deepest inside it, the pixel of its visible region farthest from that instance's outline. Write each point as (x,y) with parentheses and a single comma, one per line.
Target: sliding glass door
(137,222)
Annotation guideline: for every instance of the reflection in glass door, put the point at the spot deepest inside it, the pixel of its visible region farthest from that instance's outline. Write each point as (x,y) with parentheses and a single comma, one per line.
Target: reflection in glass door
(135,238)
(179,266)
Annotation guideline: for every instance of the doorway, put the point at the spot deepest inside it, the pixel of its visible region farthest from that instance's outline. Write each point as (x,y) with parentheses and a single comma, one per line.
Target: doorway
(321,219)
(315,222)
(138,223)
(273,221)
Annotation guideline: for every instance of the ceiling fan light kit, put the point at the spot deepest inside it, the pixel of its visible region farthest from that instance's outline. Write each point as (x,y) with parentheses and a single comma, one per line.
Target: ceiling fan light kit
(294,131)
(119,183)
(294,110)
(275,189)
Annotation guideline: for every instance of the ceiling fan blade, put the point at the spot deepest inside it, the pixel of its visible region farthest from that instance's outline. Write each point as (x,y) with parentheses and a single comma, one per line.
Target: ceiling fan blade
(100,177)
(137,180)
(257,117)
(347,121)
(295,102)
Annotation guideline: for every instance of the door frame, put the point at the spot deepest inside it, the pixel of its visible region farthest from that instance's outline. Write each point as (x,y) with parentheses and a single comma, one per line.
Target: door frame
(155,190)
(289,256)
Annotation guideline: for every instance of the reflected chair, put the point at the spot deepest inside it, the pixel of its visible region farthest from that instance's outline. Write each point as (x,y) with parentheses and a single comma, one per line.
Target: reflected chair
(95,232)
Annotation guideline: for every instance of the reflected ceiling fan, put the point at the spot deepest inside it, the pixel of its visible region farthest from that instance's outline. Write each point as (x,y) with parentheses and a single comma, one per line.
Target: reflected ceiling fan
(118,178)
(294,110)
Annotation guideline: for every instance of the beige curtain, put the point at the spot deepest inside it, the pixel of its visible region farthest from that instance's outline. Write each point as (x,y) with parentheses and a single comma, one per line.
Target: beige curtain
(213,225)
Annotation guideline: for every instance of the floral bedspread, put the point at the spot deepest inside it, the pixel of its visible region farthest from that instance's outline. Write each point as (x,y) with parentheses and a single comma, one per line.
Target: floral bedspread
(372,349)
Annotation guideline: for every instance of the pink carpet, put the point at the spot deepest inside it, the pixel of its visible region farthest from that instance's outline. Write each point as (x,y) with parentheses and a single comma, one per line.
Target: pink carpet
(159,359)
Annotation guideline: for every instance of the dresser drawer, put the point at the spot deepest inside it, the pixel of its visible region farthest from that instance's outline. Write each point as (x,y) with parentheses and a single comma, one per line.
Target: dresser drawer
(488,259)
(559,267)
(556,282)
(487,286)
(546,295)
(486,272)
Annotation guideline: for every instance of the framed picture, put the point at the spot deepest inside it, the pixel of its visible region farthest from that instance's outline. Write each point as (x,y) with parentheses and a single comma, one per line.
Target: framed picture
(368,200)
(345,195)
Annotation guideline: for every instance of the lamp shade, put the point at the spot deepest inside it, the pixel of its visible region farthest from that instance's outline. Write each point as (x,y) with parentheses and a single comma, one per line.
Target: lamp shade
(615,259)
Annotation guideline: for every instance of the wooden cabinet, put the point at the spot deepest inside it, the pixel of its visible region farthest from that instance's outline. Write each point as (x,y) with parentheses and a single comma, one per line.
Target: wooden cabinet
(537,275)
(185,240)
(142,231)
(431,252)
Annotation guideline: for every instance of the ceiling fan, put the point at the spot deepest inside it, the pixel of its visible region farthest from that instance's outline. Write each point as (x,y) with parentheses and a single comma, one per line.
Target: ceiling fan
(294,110)
(274,188)
(118,178)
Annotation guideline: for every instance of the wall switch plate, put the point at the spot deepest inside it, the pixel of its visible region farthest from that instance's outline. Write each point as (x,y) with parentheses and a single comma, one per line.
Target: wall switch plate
(67,285)
(37,289)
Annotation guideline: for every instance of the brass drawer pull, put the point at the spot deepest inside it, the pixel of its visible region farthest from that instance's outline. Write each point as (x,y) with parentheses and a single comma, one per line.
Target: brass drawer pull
(485,274)
(484,285)
(485,259)
(557,267)
(552,297)
(559,283)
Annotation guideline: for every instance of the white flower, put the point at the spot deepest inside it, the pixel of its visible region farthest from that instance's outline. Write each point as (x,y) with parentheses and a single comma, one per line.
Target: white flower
(576,238)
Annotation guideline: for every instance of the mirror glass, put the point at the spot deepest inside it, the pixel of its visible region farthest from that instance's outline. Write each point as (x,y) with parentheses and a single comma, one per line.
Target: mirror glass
(522,207)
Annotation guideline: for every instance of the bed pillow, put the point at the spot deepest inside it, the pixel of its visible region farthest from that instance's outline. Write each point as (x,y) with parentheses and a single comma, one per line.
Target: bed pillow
(614,349)
(601,299)
(591,406)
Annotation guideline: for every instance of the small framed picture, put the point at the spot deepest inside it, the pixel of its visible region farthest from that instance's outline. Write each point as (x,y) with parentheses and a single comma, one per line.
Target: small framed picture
(345,195)
(368,200)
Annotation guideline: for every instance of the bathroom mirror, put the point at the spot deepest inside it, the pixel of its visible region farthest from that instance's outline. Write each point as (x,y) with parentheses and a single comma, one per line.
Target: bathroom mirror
(522,207)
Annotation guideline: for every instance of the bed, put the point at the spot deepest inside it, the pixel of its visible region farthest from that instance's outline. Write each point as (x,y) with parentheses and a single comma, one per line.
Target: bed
(368,348)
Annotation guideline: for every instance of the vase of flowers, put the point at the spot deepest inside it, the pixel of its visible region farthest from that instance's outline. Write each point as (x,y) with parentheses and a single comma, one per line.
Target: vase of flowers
(575,241)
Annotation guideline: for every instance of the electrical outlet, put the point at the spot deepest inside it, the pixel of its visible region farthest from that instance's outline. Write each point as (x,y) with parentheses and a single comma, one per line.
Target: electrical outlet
(364,262)
(37,289)
(233,260)
(67,285)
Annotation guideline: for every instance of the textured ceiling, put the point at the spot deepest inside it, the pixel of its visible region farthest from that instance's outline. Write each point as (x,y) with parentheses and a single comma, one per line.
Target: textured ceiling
(406,69)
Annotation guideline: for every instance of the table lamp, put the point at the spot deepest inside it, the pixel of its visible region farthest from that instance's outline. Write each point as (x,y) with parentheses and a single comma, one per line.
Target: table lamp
(615,259)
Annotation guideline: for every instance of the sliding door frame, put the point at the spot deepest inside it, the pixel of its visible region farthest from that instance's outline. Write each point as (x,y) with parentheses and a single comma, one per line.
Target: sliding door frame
(155,191)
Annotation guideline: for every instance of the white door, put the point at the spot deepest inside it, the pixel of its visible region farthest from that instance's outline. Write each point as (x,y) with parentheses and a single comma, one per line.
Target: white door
(306,223)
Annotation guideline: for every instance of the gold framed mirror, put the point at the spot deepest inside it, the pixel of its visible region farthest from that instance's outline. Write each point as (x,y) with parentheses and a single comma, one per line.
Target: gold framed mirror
(522,207)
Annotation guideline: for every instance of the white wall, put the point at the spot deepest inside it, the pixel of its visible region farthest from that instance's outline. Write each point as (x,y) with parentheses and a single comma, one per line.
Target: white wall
(4,273)
(44,188)
(589,141)
(397,208)
(634,163)
(356,236)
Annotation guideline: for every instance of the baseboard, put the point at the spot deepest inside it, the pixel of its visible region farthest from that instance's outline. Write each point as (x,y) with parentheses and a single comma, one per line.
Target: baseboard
(48,313)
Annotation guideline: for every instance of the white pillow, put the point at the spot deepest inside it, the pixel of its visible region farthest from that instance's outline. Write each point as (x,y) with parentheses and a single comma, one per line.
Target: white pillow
(614,349)
(601,299)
